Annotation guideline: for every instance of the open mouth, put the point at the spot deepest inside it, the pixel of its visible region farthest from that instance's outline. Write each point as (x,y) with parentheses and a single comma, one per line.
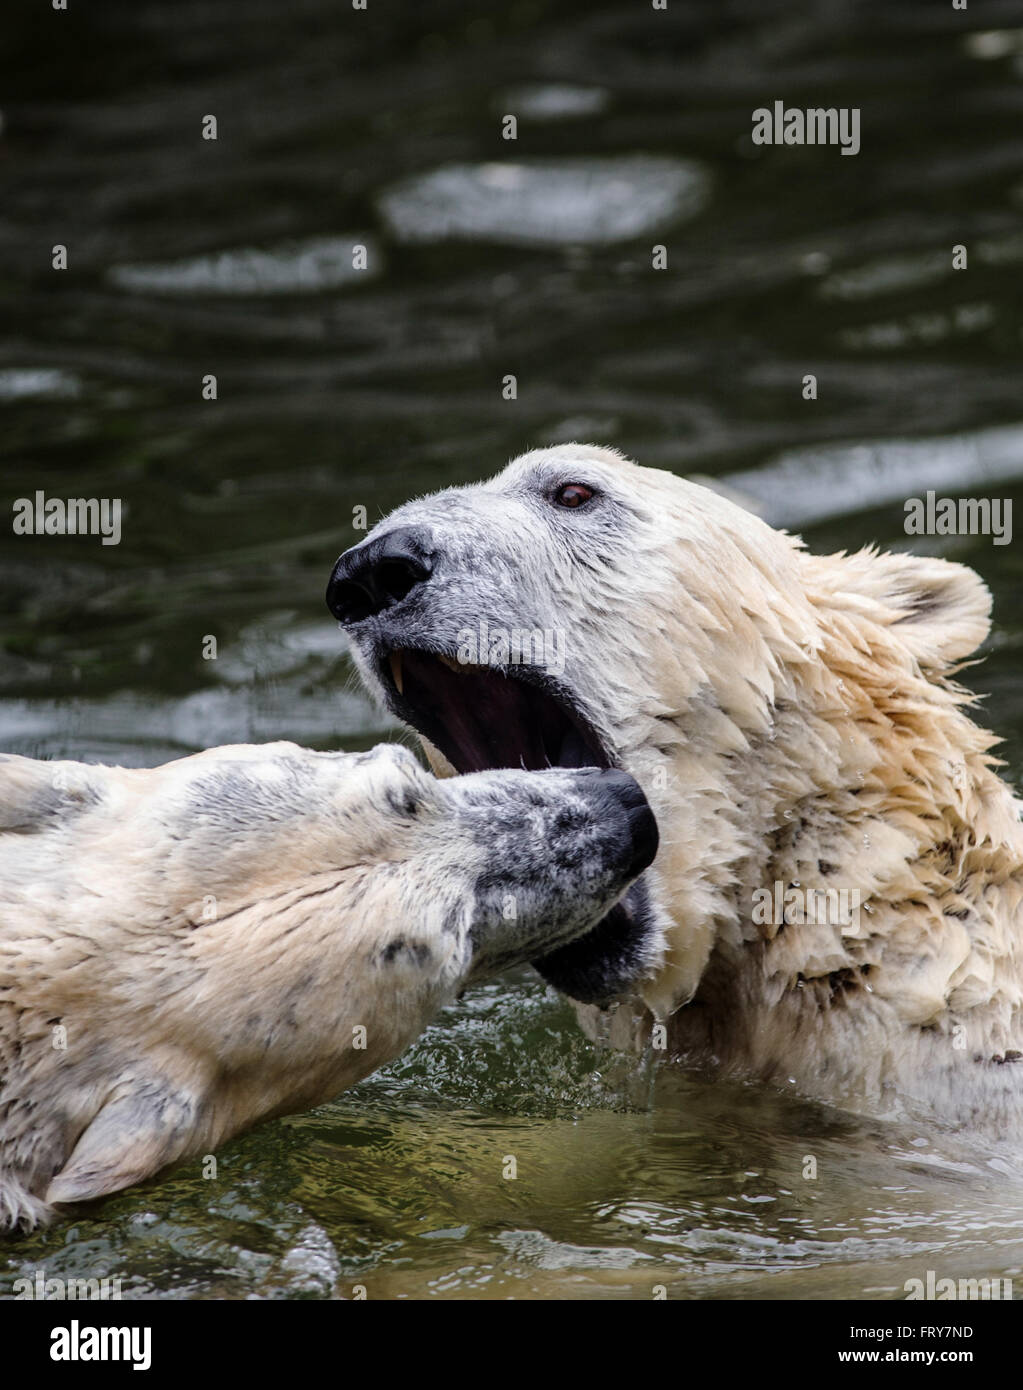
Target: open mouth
(483,718)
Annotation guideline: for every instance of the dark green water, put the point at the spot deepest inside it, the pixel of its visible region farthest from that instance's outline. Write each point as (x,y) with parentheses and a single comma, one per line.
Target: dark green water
(341,389)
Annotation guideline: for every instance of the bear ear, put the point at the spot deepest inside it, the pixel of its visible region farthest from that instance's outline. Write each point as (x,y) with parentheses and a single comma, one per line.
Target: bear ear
(27,794)
(942,611)
(36,794)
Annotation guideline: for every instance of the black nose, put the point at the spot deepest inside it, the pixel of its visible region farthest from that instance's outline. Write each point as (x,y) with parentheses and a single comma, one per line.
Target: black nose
(642,825)
(379,573)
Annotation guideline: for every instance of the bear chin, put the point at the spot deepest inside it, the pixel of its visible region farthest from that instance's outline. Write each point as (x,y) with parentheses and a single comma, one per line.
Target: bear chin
(612,958)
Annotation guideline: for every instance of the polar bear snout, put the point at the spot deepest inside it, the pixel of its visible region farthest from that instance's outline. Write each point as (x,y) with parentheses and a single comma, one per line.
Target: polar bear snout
(380,573)
(563,880)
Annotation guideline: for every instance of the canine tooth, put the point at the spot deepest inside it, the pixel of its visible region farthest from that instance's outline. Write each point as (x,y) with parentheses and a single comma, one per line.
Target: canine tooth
(396,672)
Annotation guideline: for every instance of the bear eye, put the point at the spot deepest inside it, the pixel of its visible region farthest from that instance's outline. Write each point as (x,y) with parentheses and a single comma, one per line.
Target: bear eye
(405,804)
(573,495)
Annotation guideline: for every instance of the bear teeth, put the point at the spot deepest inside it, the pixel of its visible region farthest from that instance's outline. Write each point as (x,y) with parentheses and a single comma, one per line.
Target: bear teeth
(395,660)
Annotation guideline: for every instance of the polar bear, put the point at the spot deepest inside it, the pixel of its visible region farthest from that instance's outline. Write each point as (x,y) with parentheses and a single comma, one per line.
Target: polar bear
(840,876)
(189,949)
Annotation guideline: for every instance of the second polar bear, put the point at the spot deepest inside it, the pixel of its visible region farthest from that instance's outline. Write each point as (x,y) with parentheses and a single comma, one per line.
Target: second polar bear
(189,949)
(795,723)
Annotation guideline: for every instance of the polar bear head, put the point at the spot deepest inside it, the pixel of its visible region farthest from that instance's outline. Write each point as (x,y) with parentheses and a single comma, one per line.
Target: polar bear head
(188,949)
(578,609)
